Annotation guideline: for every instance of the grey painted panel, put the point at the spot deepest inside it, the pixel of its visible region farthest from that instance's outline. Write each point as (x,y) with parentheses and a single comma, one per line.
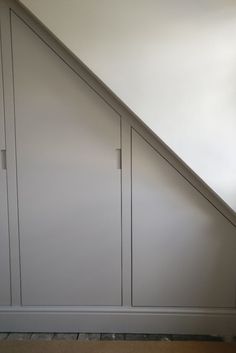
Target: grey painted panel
(68,182)
(183,249)
(4,236)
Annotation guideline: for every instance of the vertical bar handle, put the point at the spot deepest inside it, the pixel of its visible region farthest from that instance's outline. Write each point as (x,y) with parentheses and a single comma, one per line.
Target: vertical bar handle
(3,159)
(118,158)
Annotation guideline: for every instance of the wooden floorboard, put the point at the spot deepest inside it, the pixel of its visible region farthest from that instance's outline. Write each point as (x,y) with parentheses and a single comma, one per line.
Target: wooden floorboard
(66,336)
(42,336)
(3,335)
(89,337)
(113,336)
(16,336)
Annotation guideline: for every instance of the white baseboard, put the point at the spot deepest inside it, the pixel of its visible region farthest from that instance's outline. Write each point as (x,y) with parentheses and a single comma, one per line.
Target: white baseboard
(118,319)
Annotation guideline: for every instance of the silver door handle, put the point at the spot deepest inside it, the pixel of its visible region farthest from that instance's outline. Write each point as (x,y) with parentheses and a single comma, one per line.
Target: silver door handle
(118,158)
(3,159)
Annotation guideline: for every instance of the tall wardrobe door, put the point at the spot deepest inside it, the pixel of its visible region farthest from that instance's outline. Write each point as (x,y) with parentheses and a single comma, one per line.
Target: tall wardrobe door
(181,253)
(68,181)
(4,237)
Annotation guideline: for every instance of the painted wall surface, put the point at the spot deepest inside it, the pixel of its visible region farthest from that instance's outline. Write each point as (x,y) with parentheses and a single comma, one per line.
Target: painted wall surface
(173,62)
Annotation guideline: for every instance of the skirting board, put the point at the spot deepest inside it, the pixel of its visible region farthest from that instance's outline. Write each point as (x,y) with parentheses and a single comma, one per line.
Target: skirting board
(123,320)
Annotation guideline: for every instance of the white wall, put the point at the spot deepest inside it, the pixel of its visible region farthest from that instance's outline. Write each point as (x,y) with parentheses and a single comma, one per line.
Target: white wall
(173,62)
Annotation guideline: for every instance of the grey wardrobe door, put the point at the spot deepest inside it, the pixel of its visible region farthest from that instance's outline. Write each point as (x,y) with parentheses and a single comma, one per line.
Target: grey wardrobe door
(4,236)
(183,249)
(68,182)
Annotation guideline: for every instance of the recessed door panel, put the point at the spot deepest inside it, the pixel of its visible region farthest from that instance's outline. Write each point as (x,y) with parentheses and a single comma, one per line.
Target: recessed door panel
(68,181)
(183,249)
(4,236)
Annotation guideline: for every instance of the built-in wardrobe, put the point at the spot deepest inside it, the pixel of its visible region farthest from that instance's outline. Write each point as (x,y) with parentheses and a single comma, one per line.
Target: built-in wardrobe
(102,227)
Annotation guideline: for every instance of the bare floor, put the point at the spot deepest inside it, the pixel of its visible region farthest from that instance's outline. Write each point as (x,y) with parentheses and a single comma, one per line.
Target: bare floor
(115,346)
